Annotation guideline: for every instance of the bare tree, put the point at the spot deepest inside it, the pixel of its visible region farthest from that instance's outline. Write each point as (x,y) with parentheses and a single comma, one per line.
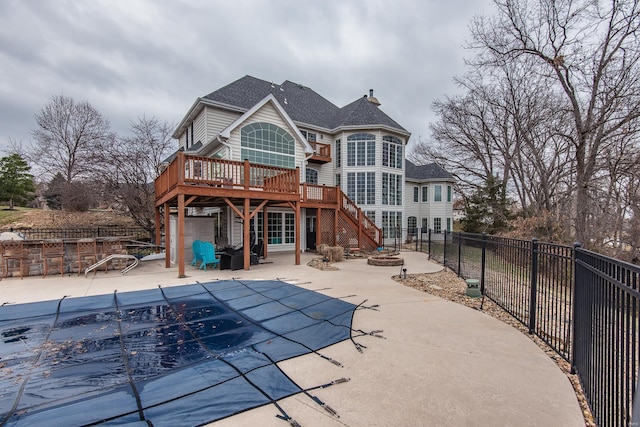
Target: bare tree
(506,129)
(131,164)
(588,51)
(67,138)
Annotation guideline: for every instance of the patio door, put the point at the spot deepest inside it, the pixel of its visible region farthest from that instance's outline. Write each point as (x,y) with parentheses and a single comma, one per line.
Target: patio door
(311,232)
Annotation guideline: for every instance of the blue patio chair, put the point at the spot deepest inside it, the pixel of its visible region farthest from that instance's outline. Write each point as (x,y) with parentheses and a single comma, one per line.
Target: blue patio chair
(208,252)
(197,255)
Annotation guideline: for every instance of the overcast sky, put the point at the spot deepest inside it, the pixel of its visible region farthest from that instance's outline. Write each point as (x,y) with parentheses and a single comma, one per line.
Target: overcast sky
(131,58)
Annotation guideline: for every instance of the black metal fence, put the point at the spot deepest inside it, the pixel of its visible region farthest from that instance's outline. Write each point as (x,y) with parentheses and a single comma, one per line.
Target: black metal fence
(606,335)
(137,233)
(584,305)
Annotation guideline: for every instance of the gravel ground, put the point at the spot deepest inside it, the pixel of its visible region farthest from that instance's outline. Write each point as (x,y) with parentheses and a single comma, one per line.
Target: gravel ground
(447,285)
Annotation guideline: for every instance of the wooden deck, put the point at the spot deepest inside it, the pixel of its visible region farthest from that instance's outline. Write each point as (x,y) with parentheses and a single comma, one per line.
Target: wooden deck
(192,181)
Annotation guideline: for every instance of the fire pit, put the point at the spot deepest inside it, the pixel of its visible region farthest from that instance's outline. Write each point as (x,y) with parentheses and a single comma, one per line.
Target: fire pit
(385,260)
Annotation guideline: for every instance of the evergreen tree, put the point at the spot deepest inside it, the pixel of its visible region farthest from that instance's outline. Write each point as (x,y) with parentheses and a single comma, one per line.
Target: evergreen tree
(55,189)
(487,210)
(16,183)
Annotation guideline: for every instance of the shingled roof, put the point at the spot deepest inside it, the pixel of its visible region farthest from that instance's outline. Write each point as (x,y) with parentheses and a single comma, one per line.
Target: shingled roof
(432,171)
(302,104)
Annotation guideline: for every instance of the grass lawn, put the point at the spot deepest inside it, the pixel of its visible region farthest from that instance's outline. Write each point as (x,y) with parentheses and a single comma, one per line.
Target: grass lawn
(7,216)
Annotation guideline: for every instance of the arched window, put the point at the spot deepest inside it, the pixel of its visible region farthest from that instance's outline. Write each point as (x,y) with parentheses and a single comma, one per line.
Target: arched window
(267,144)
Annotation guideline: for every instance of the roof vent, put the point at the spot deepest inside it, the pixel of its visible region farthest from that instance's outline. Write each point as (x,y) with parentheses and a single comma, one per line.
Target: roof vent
(372,98)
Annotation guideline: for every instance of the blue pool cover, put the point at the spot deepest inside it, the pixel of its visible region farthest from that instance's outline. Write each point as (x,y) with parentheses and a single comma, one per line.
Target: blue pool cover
(186,355)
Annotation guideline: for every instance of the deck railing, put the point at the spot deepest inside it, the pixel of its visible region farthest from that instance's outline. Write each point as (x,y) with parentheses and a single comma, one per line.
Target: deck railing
(320,149)
(333,195)
(318,193)
(365,223)
(195,170)
(229,174)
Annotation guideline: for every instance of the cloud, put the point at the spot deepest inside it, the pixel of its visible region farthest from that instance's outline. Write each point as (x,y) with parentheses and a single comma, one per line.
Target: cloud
(130,58)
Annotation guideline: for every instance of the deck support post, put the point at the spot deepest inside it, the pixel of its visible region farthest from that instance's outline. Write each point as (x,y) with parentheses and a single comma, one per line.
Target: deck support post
(297,231)
(167,236)
(158,237)
(180,235)
(265,233)
(318,227)
(246,218)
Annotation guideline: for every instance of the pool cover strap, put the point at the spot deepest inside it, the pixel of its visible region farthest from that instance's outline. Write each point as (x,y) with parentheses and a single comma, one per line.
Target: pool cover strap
(183,355)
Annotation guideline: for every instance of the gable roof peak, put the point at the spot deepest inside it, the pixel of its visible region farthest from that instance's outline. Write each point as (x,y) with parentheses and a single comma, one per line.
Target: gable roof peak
(302,104)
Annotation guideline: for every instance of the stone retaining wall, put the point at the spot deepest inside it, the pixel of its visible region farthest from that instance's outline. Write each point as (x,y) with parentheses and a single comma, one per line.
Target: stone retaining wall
(33,262)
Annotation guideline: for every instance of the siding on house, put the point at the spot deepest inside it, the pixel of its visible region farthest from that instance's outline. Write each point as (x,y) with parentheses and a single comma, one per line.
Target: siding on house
(325,173)
(217,120)
(310,112)
(428,176)
(200,128)
(267,114)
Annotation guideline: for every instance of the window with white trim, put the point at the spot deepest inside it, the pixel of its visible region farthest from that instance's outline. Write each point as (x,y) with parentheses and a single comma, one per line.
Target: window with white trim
(437,225)
(391,224)
(361,149)
(267,144)
(289,227)
(437,193)
(412,226)
(415,194)
(425,193)
(338,153)
(391,152)
(449,193)
(391,189)
(361,187)
(311,137)
(274,228)
(278,234)
(311,176)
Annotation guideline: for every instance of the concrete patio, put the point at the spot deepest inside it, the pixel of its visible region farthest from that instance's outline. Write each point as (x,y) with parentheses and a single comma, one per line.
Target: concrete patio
(439,363)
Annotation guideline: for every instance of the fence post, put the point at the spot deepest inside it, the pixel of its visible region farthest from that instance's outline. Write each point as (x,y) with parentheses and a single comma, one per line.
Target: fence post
(534,285)
(444,250)
(415,231)
(574,343)
(459,252)
(483,262)
(429,243)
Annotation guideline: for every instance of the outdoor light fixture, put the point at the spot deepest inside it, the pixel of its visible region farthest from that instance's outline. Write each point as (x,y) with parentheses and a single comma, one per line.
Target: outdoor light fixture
(472,288)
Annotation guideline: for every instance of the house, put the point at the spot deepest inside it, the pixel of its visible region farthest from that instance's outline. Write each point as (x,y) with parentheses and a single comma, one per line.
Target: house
(429,195)
(459,211)
(259,161)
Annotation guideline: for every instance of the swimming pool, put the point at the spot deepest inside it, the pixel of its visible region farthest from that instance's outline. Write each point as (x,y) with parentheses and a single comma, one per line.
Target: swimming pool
(185,355)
